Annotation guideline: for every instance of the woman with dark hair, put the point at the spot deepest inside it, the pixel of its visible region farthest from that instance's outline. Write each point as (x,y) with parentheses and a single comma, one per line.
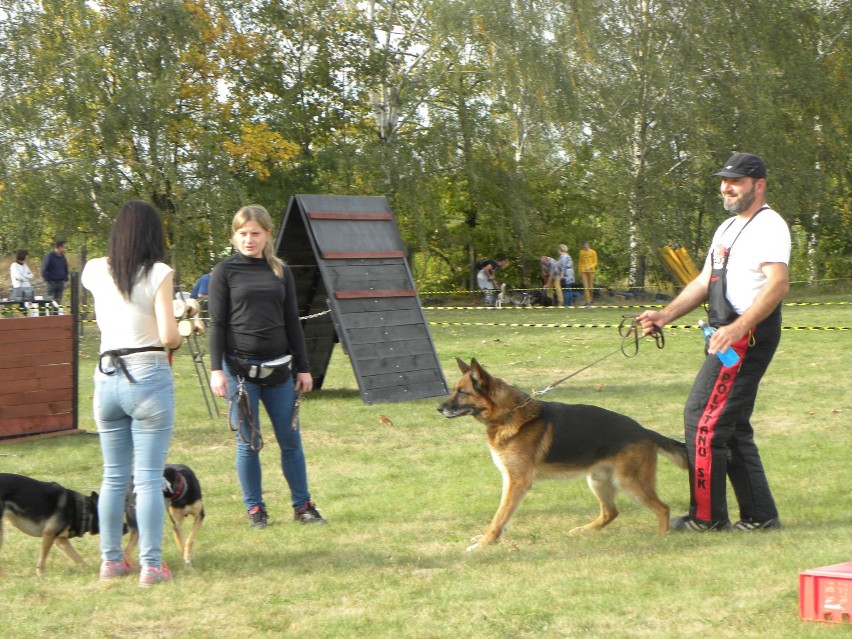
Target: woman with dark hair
(134,400)
(254,320)
(22,277)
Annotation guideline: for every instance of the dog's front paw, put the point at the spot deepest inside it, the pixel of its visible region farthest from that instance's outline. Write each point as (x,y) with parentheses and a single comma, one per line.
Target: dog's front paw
(476,545)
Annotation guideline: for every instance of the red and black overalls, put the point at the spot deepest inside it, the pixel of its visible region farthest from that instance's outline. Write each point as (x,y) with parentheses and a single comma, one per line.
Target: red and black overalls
(717,418)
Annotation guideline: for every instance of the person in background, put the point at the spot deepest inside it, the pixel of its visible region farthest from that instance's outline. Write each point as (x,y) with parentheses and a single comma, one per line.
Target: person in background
(588,264)
(199,292)
(550,279)
(744,281)
(565,267)
(254,319)
(54,271)
(199,289)
(22,277)
(486,278)
(134,398)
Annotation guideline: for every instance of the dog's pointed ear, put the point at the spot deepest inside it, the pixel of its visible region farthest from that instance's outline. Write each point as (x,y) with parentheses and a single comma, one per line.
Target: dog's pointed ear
(478,374)
(462,365)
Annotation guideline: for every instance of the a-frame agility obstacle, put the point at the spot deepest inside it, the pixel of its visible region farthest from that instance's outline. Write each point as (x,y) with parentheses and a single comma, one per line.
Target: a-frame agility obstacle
(354,283)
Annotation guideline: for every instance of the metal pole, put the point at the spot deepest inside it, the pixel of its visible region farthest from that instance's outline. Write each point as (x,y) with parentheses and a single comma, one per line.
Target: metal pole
(201,372)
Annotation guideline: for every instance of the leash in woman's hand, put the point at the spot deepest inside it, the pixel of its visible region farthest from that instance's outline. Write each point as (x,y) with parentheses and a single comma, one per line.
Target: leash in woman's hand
(294,423)
(239,401)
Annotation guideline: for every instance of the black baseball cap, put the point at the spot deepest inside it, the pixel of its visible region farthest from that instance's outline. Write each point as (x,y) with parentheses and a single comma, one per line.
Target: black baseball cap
(743,165)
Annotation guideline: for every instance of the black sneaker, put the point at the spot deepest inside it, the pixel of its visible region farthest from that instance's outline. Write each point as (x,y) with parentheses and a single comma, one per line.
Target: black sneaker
(750,525)
(690,524)
(308,514)
(258,517)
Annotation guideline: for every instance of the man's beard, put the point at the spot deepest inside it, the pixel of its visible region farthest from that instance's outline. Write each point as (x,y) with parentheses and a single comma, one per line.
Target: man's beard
(742,203)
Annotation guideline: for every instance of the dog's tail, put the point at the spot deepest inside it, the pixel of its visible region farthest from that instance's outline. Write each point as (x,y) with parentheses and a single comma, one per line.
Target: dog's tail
(673,450)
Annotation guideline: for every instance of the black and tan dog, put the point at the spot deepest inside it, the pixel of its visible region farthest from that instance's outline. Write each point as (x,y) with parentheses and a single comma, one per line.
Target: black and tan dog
(47,510)
(182,494)
(529,437)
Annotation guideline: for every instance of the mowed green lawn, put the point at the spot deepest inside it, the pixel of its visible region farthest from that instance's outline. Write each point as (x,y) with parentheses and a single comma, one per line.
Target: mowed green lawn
(403,500)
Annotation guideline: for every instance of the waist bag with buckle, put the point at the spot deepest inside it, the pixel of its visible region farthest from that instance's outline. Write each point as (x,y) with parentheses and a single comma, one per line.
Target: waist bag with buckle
(117,361)
(271,373)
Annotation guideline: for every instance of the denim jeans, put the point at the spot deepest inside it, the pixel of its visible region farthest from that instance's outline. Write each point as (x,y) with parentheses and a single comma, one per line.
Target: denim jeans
(55,290)
(278,401)
(135,423)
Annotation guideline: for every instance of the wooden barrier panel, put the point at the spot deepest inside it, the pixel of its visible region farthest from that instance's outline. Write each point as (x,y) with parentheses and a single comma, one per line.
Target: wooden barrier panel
(352,280)
(37,376)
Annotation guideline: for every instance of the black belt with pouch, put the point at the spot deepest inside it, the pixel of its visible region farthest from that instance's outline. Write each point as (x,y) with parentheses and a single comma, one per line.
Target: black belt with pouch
(271,373)
(116,358)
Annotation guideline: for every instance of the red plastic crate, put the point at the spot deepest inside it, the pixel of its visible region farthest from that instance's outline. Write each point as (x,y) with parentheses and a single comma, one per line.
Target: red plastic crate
(825,594)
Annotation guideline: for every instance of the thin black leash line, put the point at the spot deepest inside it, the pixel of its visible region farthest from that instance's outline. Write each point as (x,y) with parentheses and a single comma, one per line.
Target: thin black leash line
(626,331)
(244,413)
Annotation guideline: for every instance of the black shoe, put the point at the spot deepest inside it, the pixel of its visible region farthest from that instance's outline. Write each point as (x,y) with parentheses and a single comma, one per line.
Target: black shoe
(258,517)
(690,524)
(750,525)
(308,514)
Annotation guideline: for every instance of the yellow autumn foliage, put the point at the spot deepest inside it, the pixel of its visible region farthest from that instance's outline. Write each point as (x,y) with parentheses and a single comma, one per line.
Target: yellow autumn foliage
(258,149)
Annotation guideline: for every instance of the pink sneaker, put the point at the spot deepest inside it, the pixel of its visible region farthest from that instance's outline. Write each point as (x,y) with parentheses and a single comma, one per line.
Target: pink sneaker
(150,576)
(113,569)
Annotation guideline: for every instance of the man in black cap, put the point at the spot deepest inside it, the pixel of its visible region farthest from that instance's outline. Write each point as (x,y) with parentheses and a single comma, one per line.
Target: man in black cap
(743,282)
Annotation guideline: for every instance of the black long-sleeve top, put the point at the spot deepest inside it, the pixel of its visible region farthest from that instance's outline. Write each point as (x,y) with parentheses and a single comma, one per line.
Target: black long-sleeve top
(253,313)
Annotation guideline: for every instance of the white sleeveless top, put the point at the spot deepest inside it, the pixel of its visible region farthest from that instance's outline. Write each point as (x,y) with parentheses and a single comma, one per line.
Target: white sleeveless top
(124,323)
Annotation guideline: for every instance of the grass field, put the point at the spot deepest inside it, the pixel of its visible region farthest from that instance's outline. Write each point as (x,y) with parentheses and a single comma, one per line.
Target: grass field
(403,500)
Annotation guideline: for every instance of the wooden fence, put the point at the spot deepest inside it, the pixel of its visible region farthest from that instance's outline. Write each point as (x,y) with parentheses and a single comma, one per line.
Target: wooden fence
(38,376)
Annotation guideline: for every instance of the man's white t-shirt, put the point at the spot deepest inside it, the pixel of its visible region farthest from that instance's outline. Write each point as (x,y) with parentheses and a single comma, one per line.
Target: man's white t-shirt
(483,282)
(765,239)
(124,323)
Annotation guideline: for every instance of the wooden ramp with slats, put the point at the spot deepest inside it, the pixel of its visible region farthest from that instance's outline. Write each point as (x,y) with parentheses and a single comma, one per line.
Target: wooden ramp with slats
(354,284)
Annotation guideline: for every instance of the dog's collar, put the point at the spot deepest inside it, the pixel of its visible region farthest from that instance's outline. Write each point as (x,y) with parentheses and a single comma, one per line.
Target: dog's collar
(179,490)
(86,518)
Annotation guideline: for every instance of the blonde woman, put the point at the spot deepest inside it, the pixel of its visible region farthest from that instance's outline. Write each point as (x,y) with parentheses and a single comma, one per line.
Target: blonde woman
(588,264)
(254,319)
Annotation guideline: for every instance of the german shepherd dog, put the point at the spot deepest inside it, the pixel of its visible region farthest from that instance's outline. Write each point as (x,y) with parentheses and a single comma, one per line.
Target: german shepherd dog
(47,510)
(182,494)
(508,297)
(527,436)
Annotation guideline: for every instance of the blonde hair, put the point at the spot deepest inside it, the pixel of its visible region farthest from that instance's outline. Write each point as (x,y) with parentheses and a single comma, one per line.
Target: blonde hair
(256,213)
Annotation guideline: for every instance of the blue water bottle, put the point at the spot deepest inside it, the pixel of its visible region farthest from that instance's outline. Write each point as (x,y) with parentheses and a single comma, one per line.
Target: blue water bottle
(729,356)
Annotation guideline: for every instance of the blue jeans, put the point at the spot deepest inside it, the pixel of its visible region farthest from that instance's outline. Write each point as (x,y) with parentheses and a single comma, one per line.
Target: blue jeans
(135,423)
(278,401)
(55,289)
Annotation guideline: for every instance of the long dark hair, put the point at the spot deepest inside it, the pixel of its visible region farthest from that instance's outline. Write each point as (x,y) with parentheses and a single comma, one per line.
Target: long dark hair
(135,245)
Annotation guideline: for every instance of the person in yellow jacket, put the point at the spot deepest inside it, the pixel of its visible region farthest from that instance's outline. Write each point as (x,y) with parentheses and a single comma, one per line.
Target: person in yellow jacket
(588,264)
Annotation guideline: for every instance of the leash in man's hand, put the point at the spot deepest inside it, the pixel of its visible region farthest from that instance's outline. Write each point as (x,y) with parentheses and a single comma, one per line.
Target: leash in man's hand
(630,335)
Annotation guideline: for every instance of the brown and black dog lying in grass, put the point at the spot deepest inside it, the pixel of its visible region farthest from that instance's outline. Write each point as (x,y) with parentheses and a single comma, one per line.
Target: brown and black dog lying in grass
(47,510)
(529,437)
